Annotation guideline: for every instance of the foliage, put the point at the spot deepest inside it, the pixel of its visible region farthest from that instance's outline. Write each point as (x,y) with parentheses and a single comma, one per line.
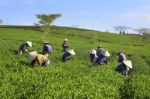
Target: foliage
(1,21)
(145,32)
(121,29)
(75,78)
(46,21)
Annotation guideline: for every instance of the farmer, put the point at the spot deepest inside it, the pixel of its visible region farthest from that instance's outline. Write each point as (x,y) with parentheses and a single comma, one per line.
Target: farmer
(23,47)
(67,55)
(124,67)
(121,57)
(65,45)
(104,59)
(102,55)
(47,49)
(93,56)
(41,59)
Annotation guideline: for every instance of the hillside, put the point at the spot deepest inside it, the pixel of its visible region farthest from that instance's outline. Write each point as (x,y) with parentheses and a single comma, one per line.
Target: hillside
(75,78)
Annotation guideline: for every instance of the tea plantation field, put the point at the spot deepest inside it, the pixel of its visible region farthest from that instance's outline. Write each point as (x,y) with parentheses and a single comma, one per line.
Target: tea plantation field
(75,78)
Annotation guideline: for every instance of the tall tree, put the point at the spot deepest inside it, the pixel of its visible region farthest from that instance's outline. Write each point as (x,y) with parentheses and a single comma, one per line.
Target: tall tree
(121,29)
(144,31)
(1,21)
(45,21)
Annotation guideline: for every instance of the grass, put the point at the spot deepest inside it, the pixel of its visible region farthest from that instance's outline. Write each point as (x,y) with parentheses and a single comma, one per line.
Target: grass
(75,78)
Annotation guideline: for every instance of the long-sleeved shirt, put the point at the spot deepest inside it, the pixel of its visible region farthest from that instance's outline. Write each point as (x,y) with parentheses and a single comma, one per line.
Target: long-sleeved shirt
(47,49)
(121,58)
(100,52)
(66,56)
(23,47)
(41,59)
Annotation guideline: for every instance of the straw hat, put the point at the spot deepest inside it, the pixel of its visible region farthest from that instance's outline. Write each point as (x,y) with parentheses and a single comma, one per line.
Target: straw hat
(65,39)
(71,51)
(46,42)
(106,54)
(32,55)
(128,63)
(93,51)
(29,43)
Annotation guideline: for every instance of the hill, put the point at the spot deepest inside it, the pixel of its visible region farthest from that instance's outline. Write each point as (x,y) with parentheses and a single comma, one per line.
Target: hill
(75,78)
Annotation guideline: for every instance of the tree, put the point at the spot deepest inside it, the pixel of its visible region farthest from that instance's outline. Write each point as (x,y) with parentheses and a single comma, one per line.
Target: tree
(144,31)
(36,24)
(1,21)
(121,29)
(45,21)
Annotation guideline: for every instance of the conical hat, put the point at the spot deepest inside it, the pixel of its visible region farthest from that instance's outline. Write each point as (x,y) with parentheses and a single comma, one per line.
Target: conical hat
(65,39)
(32,55)
(93,51)
(71,51)
(128,63)
(46,42)
(29,43)
(106,54)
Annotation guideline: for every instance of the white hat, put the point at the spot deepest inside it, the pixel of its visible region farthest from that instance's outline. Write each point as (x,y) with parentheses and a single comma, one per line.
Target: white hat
(93,51)
(65,39)
(106,54)
(29,43)
(32,55)
(71,51)
(128,63)
(46,42)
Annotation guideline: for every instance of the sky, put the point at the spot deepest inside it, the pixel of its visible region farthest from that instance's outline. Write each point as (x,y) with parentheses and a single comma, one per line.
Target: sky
(90,14)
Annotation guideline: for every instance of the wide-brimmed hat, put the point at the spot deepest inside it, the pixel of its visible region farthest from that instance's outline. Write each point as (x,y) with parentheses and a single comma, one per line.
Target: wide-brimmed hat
(71,51)
(128,63)
(106,54)
(29,43)
(65,39)
(46,42)
(93,51)
(32,55)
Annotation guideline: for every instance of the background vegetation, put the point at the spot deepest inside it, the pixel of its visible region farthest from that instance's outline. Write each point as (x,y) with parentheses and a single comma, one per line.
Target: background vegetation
(75,78)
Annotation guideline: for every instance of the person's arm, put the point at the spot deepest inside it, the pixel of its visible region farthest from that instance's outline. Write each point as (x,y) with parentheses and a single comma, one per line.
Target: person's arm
(44,48)
(33,62)
(49,49)
(69,56)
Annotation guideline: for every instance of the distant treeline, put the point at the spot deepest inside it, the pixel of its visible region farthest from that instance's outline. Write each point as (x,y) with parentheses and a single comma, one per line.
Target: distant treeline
(36,27)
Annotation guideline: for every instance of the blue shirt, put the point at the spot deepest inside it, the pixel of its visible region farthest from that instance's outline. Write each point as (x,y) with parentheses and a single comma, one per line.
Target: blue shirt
(47,48)
(121,57)
(100,52)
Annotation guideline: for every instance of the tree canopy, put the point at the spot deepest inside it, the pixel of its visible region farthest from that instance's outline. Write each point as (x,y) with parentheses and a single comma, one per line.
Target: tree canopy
(45,20)
(121,28)
(144,31)
(1,21)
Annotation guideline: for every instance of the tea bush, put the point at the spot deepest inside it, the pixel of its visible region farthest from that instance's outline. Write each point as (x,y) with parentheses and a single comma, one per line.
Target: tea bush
(75,78)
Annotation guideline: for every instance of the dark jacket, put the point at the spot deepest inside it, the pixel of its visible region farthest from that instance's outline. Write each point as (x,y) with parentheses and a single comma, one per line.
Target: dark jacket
(23,47)
(121,58)
(47,49)
(66,56)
